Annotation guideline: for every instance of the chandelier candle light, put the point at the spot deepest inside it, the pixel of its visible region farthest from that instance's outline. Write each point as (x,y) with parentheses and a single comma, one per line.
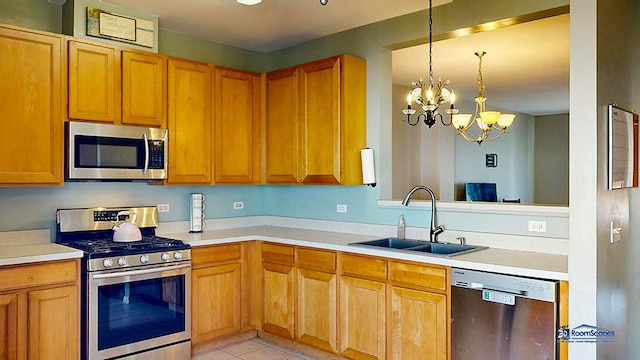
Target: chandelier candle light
(485,120)
(428,97)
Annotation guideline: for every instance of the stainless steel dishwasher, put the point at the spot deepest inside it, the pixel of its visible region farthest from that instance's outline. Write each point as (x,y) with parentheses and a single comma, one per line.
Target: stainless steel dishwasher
(502,317)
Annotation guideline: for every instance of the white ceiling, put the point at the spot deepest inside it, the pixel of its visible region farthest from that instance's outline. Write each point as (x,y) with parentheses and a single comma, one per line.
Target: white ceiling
(526,67)
(271,24)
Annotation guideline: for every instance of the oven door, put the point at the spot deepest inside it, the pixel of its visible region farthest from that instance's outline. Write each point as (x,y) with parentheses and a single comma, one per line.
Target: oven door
(138,310)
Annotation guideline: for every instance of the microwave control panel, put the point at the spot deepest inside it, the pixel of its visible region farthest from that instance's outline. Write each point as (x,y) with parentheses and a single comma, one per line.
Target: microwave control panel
(156,154)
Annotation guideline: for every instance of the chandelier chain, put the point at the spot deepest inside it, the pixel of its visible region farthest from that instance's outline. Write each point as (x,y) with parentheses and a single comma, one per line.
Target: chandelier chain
(480,81)
(430,45)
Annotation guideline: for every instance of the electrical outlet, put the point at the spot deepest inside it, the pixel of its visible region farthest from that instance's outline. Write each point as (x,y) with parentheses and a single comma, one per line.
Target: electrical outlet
(538,226)
(238,205)
(341,208)
(163,208)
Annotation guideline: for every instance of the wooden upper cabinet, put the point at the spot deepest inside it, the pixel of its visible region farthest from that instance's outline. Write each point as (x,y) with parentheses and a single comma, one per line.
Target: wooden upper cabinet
(189,122)
(94,82)
(282,127)
(237,126)
(320,118)
(332,120)
(144,89)
(31,146)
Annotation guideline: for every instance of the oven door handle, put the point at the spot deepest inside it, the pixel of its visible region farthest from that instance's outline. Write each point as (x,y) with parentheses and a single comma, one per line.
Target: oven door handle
(139,272)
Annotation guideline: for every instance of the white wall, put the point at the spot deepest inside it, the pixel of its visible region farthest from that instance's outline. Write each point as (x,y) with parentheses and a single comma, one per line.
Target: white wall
(617,264)
(551,161)
(583,182)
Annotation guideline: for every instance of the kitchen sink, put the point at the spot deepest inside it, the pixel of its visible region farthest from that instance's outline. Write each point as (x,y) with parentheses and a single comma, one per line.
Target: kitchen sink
(419,246)
(392,243)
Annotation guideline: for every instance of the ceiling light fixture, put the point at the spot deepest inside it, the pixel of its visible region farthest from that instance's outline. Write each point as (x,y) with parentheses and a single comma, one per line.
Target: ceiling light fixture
(430,98)
(324,2)
(249,2)
(485,120)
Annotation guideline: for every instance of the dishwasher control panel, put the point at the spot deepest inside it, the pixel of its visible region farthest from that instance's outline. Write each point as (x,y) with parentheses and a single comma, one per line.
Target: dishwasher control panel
(504,288)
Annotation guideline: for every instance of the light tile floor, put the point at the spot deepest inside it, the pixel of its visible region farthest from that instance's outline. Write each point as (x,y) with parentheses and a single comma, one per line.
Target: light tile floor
(253,349)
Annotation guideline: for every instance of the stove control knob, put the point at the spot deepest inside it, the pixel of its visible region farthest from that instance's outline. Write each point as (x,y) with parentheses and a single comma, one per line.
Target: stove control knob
(107,263)
(164,256)
(177,255)
(122,261)
(144,259)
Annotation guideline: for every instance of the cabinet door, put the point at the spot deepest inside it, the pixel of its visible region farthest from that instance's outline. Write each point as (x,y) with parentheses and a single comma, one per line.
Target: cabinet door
(216,302)
(8,326)
(53,325)
(419,325)
(362,318)
(237,126)
(31,140)
(316,318)
(278,303)
(320,121)
(282,148)
(144,89)
(94,82)
(189,115)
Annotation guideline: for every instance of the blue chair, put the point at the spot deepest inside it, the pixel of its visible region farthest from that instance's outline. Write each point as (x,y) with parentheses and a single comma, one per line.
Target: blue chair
(481,192)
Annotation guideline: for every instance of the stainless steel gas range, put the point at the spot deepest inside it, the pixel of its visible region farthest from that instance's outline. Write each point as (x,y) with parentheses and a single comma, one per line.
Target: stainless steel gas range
(136,294)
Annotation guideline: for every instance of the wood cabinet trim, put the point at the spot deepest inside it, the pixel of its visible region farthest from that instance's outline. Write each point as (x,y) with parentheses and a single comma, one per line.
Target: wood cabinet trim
(313,259)
(278,253)
(364,266)
(212,255)
(420,275)
(41,274)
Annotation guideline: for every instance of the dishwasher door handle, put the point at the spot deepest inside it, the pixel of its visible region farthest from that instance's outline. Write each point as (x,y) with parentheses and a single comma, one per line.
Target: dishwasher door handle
(507,291)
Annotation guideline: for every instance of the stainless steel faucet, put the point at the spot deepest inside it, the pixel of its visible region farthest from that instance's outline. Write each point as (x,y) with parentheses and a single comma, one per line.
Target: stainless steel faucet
(434,230)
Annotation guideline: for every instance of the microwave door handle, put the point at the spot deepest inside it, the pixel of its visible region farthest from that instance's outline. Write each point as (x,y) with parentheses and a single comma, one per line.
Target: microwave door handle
(146,154)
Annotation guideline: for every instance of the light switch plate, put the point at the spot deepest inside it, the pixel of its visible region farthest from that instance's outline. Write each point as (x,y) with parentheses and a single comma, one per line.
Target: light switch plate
(615,230)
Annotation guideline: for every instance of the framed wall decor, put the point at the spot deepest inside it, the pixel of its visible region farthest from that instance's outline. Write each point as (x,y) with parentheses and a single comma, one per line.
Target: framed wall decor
(623,148)
(117,27)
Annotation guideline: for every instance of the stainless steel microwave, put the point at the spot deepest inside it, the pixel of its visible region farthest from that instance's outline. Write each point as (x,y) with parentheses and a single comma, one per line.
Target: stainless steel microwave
(115,152)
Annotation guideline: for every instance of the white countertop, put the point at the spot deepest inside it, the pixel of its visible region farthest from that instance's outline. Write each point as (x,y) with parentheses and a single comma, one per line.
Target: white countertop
(523,263)
(24,254)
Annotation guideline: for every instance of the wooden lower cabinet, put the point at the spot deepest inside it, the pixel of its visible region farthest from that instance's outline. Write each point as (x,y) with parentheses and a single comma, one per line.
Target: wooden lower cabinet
(316,320)
(216,293)
(278,299)
(53,315)
(39,311)
(418,328)
(362,318)
(222,284)
(8,326)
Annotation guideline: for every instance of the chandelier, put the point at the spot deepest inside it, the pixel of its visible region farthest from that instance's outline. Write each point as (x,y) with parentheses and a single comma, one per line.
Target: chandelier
(430,96)
(485,120)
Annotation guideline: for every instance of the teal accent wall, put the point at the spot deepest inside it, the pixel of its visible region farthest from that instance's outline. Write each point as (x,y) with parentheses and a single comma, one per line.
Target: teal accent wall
(35,208)
(30,208)
(34,14)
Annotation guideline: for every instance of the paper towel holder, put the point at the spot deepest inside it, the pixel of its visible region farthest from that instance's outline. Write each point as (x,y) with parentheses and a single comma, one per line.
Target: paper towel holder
(368,167)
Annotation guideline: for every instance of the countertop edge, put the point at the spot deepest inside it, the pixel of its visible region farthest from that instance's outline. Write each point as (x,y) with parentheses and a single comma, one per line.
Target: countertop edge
(459,261)
(59,252)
